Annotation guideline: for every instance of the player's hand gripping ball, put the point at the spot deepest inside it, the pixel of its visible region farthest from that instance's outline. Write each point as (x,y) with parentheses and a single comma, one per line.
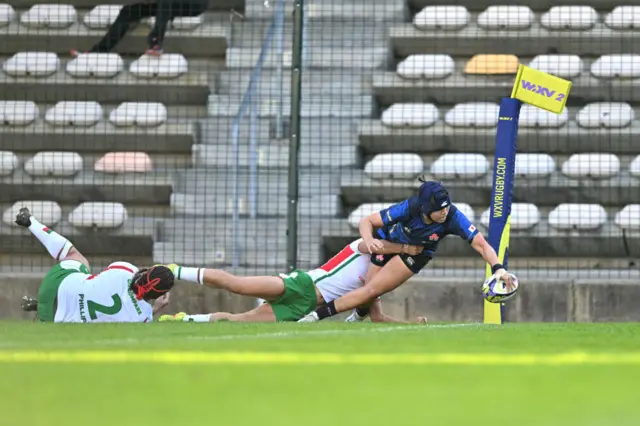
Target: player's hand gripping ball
(495,290)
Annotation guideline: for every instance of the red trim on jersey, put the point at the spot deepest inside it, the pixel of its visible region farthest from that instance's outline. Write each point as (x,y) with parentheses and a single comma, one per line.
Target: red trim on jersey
(124,268)
(343,255)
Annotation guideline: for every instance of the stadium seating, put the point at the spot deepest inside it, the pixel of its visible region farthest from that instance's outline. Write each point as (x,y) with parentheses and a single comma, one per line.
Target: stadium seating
(454,64)
(91,144)
(48,212)
(136,151)
(623,18)
(95,65)
(124,162)
(101,16)
(629,217)
(54,164)
(530,165)
(505,18)
(492,65)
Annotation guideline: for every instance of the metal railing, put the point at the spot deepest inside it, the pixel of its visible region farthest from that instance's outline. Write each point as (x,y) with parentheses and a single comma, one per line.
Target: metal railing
(250,104)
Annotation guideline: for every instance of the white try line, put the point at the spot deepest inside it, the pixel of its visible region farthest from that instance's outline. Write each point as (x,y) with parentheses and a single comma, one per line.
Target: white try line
(315,358)
(272,335)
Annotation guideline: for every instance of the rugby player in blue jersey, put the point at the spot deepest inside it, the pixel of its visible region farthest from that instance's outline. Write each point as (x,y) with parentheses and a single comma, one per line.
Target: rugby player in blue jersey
(424,219)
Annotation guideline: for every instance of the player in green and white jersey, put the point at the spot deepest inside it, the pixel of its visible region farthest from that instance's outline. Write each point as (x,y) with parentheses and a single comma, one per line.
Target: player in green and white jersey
(290,297)
(70,293)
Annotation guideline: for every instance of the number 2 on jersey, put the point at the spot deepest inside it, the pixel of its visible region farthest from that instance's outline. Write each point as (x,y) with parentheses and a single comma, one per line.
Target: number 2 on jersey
(94,307)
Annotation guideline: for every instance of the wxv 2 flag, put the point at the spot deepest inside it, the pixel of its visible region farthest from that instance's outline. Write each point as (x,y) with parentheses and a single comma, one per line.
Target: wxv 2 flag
(541,90)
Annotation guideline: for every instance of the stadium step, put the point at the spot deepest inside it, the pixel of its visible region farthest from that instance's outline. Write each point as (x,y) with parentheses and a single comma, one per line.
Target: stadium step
(358,58)
(336,10)
(314,131)
(206,182)
(189,89)
(264,231)
(275,156)
(375,138)
(146,189)
(539,4)
(334,82)
(133,238)
(406,39)
(338,107)
(208,40)
(267,204)
(218,5)
(103,137)
(221,254)
(390,88)
(617,191)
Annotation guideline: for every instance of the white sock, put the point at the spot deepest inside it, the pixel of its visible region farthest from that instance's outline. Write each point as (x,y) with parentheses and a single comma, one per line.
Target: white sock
(57,245)
(197,318)
(189,274)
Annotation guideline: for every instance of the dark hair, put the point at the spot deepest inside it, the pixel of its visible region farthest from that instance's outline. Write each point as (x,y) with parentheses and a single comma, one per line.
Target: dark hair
(151,283)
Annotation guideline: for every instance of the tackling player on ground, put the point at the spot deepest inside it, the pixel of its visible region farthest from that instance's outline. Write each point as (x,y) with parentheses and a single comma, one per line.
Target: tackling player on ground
(70,293)
(424,219)
(289,297)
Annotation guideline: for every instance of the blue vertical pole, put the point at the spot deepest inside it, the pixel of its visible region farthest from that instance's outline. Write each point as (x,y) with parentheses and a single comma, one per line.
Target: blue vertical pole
(502,194)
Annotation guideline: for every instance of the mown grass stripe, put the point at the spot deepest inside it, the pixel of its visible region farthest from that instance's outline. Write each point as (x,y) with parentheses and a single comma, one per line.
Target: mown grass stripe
(301,358)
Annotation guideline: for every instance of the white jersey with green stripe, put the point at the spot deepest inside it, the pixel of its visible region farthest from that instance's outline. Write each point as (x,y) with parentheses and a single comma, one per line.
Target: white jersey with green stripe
(344,272)
(103,297)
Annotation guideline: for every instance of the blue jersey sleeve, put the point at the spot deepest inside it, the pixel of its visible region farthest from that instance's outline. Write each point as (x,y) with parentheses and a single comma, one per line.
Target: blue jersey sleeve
(396,213)
(461,226)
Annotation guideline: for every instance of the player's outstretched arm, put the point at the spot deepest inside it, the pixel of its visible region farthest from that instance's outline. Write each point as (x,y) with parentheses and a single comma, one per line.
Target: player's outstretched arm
(461,226)
(390,248)
(482,246)
(58,246)
(267,287)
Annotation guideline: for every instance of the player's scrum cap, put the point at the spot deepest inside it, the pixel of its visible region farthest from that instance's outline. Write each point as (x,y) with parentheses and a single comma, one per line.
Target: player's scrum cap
(432,196)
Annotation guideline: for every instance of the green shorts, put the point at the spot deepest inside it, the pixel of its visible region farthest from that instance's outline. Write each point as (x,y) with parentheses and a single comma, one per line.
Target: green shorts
(48,292)
(299,297)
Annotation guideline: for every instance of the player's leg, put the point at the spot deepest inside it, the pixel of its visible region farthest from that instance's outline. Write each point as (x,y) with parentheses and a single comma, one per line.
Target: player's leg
(58,246)
(70,262)
(263,313)
(360,313)
(166,11)
(398,270)
(290,296)
(266,287)
(51,294)
(390,276)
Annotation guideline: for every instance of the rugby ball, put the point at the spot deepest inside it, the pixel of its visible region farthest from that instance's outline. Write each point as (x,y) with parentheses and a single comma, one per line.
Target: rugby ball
(495,290)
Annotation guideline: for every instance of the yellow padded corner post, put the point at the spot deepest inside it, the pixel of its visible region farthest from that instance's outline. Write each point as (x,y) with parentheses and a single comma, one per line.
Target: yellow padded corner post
(492,65)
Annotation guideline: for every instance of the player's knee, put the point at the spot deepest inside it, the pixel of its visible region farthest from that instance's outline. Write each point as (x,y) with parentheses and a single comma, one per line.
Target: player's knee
(372,293)
(74,254)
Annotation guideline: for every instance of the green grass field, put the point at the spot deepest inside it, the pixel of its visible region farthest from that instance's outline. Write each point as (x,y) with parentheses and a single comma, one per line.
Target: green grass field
(319,374)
